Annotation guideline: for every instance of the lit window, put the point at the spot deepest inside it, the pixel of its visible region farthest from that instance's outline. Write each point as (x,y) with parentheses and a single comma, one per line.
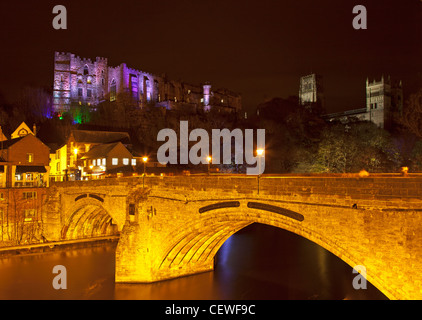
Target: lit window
(93,162)
(125,161)
(30,214)
(133,162)
(89,81)
(1,196)
(114,161)
(113,90)
(30,157)
(104,161)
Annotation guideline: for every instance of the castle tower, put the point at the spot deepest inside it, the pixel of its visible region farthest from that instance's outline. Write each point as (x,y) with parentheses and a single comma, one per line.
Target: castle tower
(207,92)
(311,91)
(384,101)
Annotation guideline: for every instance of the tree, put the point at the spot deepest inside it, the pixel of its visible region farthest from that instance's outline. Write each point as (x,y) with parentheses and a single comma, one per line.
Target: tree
(412,114)
(353,147)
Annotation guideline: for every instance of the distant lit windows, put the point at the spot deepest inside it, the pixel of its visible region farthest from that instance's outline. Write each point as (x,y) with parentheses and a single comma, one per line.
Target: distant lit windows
(89,80)
(114,161)
(125,161)
(94,162)
(29,195)
(133,162)
(104,161)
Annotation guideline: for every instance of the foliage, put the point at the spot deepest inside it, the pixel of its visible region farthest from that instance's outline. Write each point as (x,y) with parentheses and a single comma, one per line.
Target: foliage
(354,147)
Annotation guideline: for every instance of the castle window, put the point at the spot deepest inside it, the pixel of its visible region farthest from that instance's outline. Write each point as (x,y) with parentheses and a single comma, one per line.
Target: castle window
(102,81)
(89,93)
(86,71)
(80,92)
(113,90)
(89,80)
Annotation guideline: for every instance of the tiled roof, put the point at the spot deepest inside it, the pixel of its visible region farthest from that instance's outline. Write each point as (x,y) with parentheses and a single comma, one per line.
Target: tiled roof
(89,136)
(99,151)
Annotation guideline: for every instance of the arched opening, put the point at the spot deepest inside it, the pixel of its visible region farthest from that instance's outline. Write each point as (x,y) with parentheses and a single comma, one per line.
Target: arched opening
(195,247)
(265,262)
(89,221)
(86,70)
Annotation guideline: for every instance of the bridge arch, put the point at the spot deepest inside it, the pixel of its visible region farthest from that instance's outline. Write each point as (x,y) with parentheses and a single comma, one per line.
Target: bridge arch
(195,246)
(87,219)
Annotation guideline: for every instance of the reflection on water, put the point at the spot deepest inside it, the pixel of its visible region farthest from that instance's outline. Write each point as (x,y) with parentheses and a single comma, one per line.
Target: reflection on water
(259,262)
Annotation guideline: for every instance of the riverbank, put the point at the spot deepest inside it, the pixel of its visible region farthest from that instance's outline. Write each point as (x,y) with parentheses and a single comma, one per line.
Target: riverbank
(55,245)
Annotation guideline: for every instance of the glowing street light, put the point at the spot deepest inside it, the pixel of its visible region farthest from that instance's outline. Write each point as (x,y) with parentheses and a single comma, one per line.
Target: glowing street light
(209,163)
(259,153)
(144,159)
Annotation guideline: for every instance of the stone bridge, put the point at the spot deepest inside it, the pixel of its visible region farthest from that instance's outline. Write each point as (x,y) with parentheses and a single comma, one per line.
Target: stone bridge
(174,226)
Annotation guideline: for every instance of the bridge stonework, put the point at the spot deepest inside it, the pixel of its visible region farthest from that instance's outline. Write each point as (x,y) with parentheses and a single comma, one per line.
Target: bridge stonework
(174,226)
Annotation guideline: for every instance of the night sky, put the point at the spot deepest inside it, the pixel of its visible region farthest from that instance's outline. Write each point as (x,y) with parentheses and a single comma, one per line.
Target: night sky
(257,48)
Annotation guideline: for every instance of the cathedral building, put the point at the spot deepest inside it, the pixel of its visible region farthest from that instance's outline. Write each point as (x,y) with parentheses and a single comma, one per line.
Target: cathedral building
(89,82)
(384,104)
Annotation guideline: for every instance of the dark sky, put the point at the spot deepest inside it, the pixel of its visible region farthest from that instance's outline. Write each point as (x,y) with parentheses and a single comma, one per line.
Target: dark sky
(257,48)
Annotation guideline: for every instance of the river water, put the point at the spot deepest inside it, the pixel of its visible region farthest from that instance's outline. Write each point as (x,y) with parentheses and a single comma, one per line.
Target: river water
(258,262)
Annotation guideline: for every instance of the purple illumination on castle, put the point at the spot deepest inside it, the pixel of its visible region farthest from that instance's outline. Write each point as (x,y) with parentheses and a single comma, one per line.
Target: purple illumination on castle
(84,81)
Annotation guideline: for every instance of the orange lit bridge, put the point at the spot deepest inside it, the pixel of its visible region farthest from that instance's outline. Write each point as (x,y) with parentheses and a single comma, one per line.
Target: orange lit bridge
(175,225)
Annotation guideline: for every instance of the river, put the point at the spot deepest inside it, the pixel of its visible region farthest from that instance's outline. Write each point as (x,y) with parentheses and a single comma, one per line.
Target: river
(258,262)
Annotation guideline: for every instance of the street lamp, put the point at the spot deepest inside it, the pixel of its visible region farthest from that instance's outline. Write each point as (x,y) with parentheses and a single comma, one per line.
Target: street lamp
(144,159)
(259,153)
(209,163)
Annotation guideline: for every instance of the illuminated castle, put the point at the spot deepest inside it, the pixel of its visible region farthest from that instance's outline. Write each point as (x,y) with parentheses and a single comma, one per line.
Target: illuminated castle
(81,81)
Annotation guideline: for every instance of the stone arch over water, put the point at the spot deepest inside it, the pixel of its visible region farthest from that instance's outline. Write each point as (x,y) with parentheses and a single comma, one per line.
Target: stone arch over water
(88,219)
